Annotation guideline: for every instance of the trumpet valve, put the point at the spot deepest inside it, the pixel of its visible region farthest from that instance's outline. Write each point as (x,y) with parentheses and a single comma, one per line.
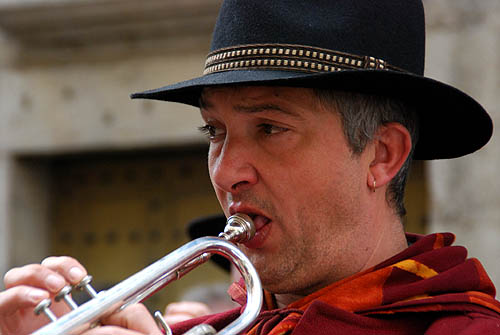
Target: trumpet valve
(43,307)
(64,294)
(84,284)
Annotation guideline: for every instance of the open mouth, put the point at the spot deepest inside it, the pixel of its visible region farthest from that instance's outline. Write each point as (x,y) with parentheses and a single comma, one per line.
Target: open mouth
(262,228)
(259,221)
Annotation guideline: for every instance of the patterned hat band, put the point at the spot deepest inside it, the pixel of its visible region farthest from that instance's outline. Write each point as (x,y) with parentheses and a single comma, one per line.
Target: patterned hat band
(289,57)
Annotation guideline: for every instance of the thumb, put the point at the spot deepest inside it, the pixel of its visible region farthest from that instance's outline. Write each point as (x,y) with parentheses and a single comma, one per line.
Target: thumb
(135,317)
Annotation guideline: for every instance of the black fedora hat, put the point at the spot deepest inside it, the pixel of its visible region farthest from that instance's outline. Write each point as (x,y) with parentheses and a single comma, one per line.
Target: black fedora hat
(210,225)
(366,46)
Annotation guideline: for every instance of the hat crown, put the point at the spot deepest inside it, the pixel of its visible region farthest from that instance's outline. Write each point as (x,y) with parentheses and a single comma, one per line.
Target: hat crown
(391,30)
(365,46)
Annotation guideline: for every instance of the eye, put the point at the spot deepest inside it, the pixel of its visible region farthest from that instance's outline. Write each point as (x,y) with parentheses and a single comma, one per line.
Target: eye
(270,129)
(210,131)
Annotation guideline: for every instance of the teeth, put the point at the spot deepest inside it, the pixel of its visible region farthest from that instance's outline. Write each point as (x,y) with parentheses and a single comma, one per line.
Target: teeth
(260,220)
(254,216)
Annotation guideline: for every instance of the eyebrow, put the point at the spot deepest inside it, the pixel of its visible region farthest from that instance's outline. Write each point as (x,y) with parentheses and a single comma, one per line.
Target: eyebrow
(203,103)
(266,107)
(206,104)
(257,108)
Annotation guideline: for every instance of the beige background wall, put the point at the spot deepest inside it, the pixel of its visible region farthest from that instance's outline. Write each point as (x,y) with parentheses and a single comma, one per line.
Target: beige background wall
(67,67)
(463,49)
(66,71)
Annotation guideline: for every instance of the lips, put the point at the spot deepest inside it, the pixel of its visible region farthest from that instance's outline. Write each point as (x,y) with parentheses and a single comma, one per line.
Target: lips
(262,227)
(259,221)
(262,224)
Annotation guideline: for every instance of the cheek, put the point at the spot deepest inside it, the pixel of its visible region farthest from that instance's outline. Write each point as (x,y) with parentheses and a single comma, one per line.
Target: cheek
(212,163)
(211,156)
(328,199)
(311,178)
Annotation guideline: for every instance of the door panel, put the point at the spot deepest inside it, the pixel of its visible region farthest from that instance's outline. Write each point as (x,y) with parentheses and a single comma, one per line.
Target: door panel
(118,213)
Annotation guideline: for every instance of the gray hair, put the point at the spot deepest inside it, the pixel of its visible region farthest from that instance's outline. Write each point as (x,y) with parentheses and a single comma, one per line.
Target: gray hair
(362,115)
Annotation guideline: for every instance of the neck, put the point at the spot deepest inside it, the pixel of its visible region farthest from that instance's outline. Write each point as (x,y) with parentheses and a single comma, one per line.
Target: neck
(283,300)
(390,240)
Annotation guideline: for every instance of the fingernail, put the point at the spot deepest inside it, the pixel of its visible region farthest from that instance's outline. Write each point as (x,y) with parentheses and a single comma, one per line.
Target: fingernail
(48,261)
(37,295)
(54,282)
(76,274)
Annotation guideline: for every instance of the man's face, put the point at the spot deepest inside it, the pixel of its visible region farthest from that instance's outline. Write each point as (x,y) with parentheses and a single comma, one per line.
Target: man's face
(280,156)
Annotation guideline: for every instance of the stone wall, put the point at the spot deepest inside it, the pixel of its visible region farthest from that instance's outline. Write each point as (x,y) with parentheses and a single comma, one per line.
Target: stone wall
(64,87)
(66,71)
(463,48)
(4,227)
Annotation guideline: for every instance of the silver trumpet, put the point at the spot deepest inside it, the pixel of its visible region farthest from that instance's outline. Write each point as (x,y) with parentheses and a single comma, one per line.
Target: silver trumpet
(144,283)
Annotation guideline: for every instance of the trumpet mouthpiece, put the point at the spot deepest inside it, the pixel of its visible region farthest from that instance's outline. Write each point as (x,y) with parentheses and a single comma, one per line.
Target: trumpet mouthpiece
(239,228)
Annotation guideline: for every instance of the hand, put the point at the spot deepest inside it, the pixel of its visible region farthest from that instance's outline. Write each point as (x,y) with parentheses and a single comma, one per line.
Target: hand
(184,310)
(28,285)
(133,320)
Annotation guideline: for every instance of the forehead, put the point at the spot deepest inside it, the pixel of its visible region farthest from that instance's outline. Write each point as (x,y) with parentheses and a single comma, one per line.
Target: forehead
(253,95)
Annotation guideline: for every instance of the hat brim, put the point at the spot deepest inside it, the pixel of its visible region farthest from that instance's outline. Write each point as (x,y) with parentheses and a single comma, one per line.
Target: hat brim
(451,123)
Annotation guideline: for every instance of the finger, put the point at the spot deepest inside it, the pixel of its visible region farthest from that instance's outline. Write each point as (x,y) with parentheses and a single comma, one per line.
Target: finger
(172,319)
(191,308)
(34,275)
(20,297)
(135,317)
(114,330)
(66,266)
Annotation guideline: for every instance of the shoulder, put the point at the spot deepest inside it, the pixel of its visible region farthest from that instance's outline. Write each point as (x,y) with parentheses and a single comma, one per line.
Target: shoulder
(466,324)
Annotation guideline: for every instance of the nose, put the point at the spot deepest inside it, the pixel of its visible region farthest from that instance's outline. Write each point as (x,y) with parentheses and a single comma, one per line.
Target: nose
(232,166)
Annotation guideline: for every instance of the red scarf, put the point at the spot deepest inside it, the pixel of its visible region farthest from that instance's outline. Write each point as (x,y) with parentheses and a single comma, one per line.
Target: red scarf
(431,275)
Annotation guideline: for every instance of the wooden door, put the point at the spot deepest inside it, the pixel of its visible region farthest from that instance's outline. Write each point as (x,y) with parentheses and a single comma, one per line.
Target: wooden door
(117,213)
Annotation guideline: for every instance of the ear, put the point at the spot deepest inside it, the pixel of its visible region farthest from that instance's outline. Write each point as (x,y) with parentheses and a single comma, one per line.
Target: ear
(392,146)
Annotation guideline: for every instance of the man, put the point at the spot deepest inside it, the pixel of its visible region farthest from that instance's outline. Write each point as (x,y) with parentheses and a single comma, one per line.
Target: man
(314,110)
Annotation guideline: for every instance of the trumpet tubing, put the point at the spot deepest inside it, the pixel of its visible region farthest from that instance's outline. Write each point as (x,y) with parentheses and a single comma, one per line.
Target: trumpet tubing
(171,267)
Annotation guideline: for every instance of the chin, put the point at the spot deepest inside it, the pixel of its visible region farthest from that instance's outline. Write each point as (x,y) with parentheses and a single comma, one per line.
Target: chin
(278,284)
